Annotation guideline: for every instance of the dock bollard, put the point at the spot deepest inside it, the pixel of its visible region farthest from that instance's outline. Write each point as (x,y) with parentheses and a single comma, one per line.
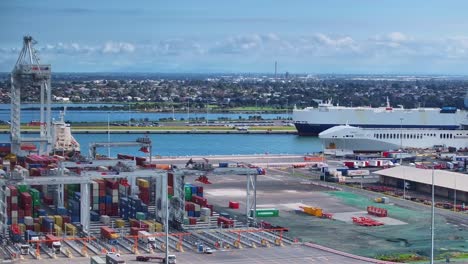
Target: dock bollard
(278,242)
(237,244)
(179,247)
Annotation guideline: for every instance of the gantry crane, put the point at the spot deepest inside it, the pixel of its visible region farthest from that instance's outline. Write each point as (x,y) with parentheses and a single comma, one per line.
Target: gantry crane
(29,74)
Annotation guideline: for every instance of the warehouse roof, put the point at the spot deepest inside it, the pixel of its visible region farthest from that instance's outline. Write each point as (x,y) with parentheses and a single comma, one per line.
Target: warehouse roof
(442,178)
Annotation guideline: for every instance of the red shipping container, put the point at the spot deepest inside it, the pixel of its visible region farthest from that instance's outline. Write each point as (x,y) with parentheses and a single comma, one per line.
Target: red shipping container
(192,220)
(111,184)
(13,190)
(170,190)
(27,212)
(20,213)
(170,179)
(65,218)
(134,231)
(14,207)
(233,205)
(200,189)
(102,206)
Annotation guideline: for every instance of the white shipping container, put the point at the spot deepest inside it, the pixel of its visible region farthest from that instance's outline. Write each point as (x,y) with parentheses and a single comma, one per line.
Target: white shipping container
(8,191)
(14,214)
(14,199)
(205,211)
(358,172)
(28,220)
(197,207)
(105,219)
(115,199)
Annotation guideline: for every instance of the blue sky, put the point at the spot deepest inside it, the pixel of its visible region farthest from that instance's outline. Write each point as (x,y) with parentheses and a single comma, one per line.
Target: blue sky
(333,36)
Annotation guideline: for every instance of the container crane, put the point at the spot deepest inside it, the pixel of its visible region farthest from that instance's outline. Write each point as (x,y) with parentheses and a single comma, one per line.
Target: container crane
(28,73)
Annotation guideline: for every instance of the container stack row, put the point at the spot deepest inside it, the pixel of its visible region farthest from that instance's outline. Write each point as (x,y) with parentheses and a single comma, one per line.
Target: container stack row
(144,225)
(112,198)
(132,207)
(144,188)
(12,204)
(196,206)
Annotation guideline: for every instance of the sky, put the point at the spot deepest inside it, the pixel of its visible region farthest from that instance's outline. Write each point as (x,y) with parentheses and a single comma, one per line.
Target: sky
(242,36)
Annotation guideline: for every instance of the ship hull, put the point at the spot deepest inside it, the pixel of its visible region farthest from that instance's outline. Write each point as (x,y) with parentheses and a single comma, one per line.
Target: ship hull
(315,129)
(311,121)
(380,139)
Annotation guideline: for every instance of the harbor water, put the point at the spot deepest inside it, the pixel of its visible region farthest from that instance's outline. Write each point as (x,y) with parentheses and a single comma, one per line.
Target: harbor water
(125,116)
(201,144)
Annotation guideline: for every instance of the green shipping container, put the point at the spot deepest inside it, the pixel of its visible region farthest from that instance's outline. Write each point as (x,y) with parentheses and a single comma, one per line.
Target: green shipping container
(265,212)
(23,188)
(140,216)
(188,193)
(34,194)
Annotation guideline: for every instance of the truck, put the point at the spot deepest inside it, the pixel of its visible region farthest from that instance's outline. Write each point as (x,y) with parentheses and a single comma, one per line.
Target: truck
(109,234)
(146,238)
(24,249)
(53,243)
(114,259)
(171,259)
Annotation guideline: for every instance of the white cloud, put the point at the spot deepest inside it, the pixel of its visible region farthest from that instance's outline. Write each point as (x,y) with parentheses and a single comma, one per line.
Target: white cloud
(118,47)
(392,39)
(394,48)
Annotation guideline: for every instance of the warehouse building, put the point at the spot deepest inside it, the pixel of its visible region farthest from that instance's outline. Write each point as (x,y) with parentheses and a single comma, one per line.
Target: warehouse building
(447,184)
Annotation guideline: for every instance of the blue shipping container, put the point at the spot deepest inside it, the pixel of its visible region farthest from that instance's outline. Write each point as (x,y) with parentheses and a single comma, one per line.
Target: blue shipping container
(61,211)
(41,212)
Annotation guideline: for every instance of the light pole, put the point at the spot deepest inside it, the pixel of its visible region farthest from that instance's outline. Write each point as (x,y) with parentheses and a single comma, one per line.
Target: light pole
(129,115)
(432,219)
(166,224)
(108,135)
(401,157)
(455,195)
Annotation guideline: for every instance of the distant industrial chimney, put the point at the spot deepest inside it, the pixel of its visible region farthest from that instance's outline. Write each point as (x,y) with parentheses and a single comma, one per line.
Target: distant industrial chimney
(276,68)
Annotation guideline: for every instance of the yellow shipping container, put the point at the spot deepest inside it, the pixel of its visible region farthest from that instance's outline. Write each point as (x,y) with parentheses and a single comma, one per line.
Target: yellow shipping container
(143,183)
(158,227)
(40,219)
(318,212)
(37,227)
(51,217)
(70,229)
(22,228)
(114,236)
(151,226)
(58,220)
(58,230)
(119,223)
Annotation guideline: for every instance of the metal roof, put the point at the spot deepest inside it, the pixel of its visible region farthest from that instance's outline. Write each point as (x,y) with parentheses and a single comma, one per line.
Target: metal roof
(442,178)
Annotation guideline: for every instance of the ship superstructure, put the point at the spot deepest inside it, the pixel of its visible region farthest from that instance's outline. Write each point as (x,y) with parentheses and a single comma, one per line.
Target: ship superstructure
(381,139)
(311,121)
